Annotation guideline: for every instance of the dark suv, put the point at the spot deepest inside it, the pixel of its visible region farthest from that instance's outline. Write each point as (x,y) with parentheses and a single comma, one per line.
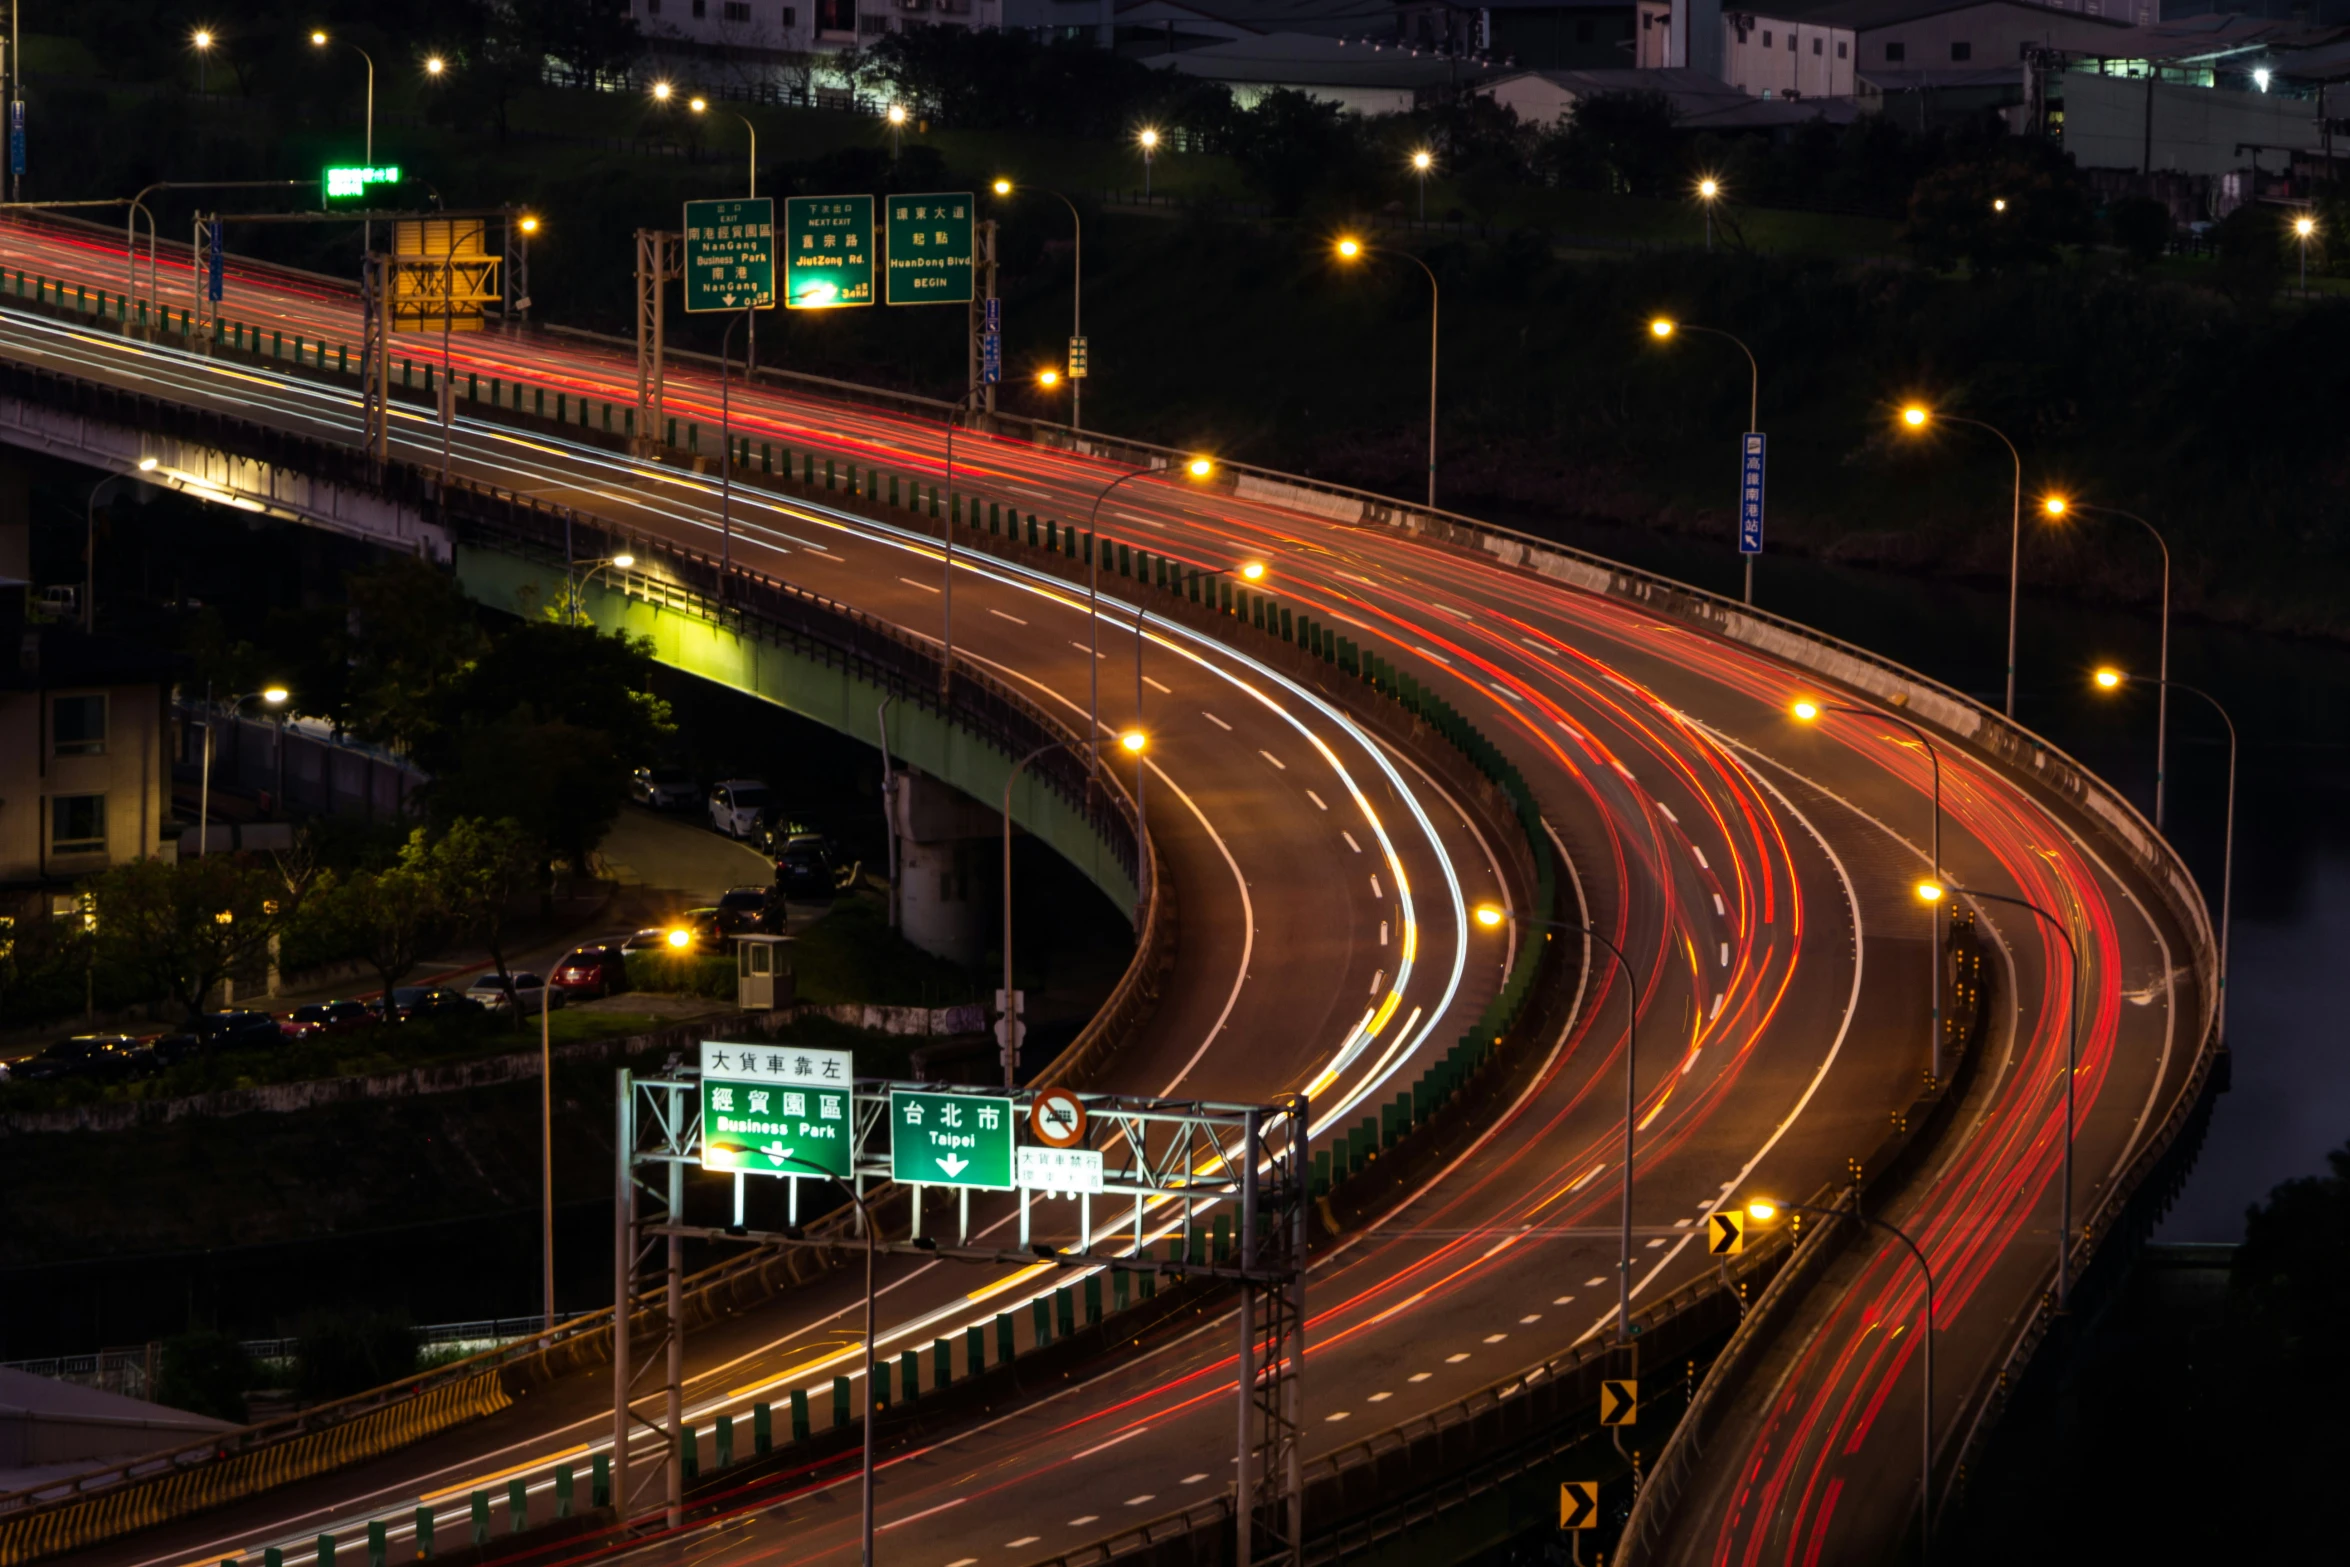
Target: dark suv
(808,868)
(234,1030)
(747,909)
(328,1017)
(102,1058)
(592,973)
(415,1003)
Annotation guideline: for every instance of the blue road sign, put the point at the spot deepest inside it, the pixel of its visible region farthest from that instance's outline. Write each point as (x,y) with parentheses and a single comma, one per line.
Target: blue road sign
(16,137)
(991,357)
(995,314)
(1750,493)
(213,278)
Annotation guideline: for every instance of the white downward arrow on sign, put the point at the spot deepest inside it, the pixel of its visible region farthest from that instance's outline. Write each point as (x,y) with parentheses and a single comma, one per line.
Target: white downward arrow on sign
(777,1152)
(953,1164)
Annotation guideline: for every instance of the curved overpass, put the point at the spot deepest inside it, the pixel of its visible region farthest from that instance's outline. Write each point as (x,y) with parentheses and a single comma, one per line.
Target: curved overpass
(1756,875)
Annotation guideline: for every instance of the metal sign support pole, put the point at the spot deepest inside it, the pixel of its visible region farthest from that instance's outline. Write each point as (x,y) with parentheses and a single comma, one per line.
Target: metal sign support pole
(375,376)
(623,1248)
(675,1295)
(654,269)
(990,231)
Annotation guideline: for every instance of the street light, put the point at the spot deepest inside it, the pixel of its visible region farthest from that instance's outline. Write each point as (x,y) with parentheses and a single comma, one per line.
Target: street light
(1349,249)
(897,129)
(1764,1211)
(2057,507)
(623,561)
(662,91)
(201,41)
(1197,468)
(1422,161)
(1003,187)
(319,40)
(2304,230)
(275,696)
(1663,327)
(528,223)
(1999,204)
(1934,892)
(1492,916)
(2110,679)
(1709,191)
(1148,139)
(434,65)
(1808,710)
(1917,416)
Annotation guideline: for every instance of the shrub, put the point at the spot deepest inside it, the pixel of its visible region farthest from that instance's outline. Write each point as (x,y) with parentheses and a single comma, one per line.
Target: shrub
(343,1352)
(205,1374)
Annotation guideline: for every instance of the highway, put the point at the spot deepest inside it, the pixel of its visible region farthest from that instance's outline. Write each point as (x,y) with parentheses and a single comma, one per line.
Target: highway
(1755,871)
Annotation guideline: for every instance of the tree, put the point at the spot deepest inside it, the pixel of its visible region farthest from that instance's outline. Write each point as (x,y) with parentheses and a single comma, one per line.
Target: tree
(2141,226)
(1621,142)
(1292,147)
(568,781)
(185,925)
(393,918)
(413,637)
(480,869)
(2009,207)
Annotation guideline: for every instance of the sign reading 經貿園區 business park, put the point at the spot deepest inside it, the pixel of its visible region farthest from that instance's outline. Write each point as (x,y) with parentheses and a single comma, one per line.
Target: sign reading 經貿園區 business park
(771,1110)
(929,249)
(730,254)
(827,252)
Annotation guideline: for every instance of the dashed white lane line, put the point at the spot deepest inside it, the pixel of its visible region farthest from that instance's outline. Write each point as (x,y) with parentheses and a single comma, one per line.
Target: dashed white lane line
(1682,1224)
(1378,978)
(1340,1415)
(1666,812)
(1026,1539)
(1376,891)
(1082,648)
(1350,840)
(1137,1501)
(1383,933)
(1213,719)
(1155,686)
(899,1523)
(1381,1398)
(1025,490)
(1699,855)
(1275,760)
(1531,1317)
(1001,615)
(1566,1299)
(1079,1523)
(1318,805)
(1725,954)
(1720,907)
(1430,653)
(1592,1284)
(1454,1360)
(1193,1479)
(1422,1376)
(927,587)
(1654,1244)
(1495,1338)
(968,1561)
(1717,1009)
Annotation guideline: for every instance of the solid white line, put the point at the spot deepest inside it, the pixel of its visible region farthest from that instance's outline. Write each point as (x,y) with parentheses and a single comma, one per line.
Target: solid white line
(897,1523)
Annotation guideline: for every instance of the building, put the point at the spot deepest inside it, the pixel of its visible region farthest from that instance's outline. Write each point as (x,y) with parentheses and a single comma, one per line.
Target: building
(1546,97)
(759,30)
(1774,57)
(1362,77)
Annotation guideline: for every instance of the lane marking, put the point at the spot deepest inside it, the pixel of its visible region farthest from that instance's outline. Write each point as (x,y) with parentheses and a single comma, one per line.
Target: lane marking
(1002,615)
(1454,1360)
(1350,840)
(927,587)
(1155,686)
(1278,764)
(1317,799)
(1213,719)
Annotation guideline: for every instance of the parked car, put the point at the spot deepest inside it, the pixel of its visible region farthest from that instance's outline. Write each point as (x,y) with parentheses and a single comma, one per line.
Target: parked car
(664,788)
(322,1018)
(234,1030)
(103,1058)
(592,972)
(531,993)
(808,867)
(415,1003)
(747,909)
(737,804)
(172,1049)
(653,938)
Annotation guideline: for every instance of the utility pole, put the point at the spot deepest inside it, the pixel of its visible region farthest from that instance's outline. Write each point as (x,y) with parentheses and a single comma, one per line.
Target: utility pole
(375,356)
(657,262)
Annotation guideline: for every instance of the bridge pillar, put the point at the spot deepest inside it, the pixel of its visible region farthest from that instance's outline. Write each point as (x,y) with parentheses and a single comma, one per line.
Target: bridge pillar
(944,887)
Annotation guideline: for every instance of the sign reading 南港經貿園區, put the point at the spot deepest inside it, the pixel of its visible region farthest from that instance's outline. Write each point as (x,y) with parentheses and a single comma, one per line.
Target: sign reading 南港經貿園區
(771,1110)
(827,252)
(730,254)
(929,250)
(950,1139)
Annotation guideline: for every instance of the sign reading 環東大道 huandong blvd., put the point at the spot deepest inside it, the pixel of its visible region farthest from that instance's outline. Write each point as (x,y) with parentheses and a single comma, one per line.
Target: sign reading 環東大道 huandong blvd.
(774,1110)
(929,251)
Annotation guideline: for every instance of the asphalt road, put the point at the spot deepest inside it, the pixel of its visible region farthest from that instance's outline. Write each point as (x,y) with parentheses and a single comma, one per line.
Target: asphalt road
(1756,873)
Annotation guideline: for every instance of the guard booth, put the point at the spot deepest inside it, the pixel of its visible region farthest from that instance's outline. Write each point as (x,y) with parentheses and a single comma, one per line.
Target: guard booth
(763,973)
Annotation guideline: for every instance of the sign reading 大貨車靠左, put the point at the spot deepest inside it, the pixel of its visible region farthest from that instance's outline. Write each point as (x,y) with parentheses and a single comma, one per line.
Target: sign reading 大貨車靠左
(769,1110)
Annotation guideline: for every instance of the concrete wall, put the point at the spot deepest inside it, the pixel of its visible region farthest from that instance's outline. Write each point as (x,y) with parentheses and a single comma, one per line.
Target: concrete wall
(1771,57)
(2196,129)
(1989,35)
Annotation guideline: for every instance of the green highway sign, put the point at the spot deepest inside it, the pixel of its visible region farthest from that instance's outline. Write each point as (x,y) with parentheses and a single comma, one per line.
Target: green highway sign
(929,249)
(827,252)
(349,184)
(950,1139)
(772,1110)
(730,254)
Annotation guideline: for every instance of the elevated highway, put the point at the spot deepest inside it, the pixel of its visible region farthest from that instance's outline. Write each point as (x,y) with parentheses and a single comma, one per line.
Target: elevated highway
(1757,874)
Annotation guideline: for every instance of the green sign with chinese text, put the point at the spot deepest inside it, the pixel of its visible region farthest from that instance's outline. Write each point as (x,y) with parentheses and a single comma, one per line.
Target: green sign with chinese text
(771,1110)
(950,1139)
(827,252)
(730,254)
(930,248)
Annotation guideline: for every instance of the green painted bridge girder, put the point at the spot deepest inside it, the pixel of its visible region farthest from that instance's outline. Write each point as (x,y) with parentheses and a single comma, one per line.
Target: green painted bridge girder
(833,697)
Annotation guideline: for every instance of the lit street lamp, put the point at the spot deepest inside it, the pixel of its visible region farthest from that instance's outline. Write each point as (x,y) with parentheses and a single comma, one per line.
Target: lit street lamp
(1076,380)
(897,129)
(319,40)
(201,41)
(275,696)
(1709,191)
(2115,679)
(1763,1211)
(1350,249)
(1934,892)
(1422,161)
(1664,327)
(622,561)
(2058,506)
(1197,468)
(1492,916)
(529,225)
(1148,140)
(750,333)
(2304,230)
(1916,417)
(90,543)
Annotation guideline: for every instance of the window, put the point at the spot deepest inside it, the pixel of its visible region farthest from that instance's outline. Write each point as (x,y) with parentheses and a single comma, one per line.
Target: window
(1815,46)
(1839,48)
(77,823)
(791,17)
(1766,38)
(736,10)
(701,9)
(870,25)
(1790,43)
(1962,51)
(77,725)
(1894,53)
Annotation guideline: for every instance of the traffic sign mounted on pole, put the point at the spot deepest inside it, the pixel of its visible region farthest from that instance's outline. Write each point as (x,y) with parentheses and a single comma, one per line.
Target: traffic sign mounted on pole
(1619,1402)
(827,252)
(1073,1172)
(1725,1233)
(768,1110)
(348,184)
(939,1139)
(1578,1504)
(730,254)
(929,250)
(1750,493)
(1057,1118)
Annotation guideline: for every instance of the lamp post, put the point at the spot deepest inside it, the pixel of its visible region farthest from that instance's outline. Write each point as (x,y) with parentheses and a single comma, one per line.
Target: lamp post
(1422,161)
(897,129)
(1013,1023)
(1763,1211)
(1916,417)
(2113,679)
(1076,292)
(1348,250)
(1807,710)
(2304,230)
(200,41)
(751,333)
(319,40)
(274,696)
(1491,916)
(1664,327)
(527,225)
(624,560)
(1934,892)
(1198,468)
(1148,140)
(90,544)
(2059,506)
(1709,191)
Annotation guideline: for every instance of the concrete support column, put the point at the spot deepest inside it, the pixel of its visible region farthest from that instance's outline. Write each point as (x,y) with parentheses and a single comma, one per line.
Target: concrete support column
(946,885)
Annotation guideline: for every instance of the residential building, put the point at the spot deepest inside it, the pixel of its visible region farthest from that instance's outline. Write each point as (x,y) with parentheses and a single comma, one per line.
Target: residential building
(1775,57)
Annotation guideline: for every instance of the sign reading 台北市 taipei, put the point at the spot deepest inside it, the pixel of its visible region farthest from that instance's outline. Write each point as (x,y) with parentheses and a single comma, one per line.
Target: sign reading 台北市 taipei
(769,1110)
(950,1139)
(730,254)
(827,252)
(929,251)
